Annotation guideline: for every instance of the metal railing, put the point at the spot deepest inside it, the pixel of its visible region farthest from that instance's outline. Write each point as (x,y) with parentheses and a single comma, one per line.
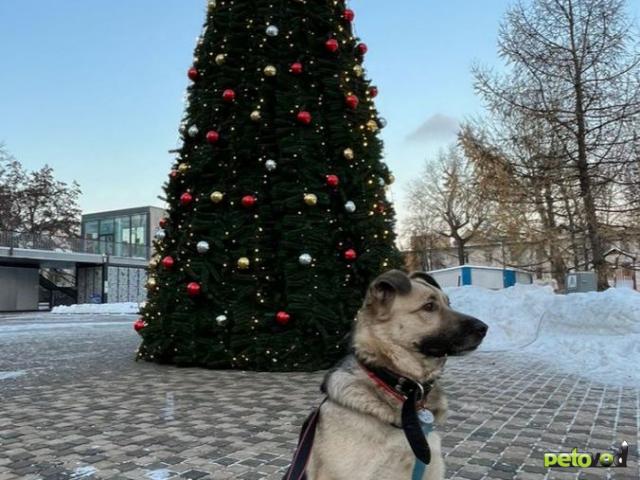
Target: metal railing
(54,243)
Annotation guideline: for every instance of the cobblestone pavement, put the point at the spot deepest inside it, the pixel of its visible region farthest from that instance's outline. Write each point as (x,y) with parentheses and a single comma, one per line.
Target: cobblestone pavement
(75,406)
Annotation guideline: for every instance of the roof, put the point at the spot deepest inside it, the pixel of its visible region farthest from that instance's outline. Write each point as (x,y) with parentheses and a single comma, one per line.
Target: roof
(115,213)
(479,267)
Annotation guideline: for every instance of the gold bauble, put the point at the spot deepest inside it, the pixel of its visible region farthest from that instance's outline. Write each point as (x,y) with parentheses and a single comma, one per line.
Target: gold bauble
(270,71)
(244,263)
(255,115)
(372,125)
(154,262)
(221,58)
(183,167)
(391,179)
(310,199)
(358,70)
(216,197)
(151,283)
(349,154)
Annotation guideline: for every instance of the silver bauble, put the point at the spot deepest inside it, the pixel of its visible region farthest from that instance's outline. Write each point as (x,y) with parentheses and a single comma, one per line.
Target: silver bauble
(305,259)
(193,131)
(381,182)
(202,246)
(350,206)
(272,31)
(160,234)
(221,320)
(382,122)
(270,165)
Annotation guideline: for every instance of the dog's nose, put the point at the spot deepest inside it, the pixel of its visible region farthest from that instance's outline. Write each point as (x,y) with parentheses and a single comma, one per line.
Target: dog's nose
(479,327)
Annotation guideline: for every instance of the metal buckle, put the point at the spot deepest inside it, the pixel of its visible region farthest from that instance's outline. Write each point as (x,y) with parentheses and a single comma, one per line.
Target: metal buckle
(421,395)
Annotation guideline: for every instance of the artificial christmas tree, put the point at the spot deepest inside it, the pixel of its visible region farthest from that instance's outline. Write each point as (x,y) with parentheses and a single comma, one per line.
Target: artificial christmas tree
(278,218)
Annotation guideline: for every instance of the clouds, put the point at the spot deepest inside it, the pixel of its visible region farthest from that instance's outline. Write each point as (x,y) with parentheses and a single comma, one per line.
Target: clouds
(438,128)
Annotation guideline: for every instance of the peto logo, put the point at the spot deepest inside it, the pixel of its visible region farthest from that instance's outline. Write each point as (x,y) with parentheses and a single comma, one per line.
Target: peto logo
(587,460)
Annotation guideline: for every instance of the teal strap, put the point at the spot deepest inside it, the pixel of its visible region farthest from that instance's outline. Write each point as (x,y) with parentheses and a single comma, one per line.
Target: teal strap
(426,422)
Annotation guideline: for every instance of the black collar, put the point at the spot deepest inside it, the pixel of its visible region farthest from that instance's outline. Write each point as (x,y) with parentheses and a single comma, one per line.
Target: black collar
(402,385)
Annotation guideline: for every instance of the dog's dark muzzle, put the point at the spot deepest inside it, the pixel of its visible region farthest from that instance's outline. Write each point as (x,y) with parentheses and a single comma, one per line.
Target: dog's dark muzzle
(460,334)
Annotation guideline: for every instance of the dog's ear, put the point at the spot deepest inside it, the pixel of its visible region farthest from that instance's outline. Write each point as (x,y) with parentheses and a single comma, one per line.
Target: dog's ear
(426,278)
(384,289)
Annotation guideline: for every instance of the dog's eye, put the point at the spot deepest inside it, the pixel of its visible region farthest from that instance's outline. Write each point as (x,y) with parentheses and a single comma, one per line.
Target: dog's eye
(429,307)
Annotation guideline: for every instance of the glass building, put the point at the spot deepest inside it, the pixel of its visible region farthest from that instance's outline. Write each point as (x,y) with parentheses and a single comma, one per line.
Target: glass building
(121,233)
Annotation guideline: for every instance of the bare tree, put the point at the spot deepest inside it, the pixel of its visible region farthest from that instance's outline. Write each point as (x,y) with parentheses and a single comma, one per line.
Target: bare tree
(572,64)
(444,201)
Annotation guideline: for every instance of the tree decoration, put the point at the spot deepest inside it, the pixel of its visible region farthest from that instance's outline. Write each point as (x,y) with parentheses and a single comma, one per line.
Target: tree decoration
(164,222)
(222,320)
(193,131)
(216,197)
(220,59)
(243,263)
(160,234)
(362,48)
(352,102)
(304,118)
(202,247)
(296,68)
(270,165)
(372,126)
(272,31)
(256,116)
(229,95)
(193,74)
(349,154)
(185,199)
(151,283)
(182,168)
(358,70)
(270,71)
(249,201)
(332,45)
(350,255)
(283,318)
(213,137)
(193,289)
(305,259)
(310,199)
(350,207)
(373,92)
(168,262)
(349,15)
(139,324)
(332,180)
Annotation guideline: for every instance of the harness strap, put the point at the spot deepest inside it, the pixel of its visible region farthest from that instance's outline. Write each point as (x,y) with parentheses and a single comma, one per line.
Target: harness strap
(298,468)
(413,429)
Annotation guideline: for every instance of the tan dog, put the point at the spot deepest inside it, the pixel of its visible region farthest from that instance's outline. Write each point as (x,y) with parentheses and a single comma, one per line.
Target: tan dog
(407,327)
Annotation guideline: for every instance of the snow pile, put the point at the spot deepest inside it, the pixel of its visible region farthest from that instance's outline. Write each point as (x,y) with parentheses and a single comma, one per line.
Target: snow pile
(129,308)
(595,334)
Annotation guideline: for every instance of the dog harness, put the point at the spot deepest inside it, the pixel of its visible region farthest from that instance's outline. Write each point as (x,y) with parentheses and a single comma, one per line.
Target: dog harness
(415,425)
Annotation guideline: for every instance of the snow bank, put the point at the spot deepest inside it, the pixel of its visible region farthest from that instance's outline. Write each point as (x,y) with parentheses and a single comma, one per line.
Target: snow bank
(129,308)
(594,334)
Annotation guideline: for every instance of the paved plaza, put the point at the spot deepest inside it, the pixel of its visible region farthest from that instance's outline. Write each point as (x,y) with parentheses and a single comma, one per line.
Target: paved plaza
(75,405)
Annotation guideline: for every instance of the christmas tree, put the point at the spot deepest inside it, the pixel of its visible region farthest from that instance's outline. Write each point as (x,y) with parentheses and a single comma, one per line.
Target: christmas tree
(278,218)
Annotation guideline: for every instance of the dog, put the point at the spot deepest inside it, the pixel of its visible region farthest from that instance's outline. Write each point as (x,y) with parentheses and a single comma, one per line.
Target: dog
(403,332)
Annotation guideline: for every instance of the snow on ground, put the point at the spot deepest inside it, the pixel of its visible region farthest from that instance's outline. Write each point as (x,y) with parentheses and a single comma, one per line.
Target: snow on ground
(97,308)
(595,334)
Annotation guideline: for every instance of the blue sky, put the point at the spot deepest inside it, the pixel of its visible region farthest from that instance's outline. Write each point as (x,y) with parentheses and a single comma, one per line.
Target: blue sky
(95,88)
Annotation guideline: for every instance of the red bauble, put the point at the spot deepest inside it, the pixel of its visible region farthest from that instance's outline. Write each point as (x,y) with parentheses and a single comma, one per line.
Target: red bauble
(212,136)
(139,324)
(350,255)
(249,201)
(352,102)
(163,222)
(373,92)
(193,74)
(362,48)
(186,198)
(349,15)
(283,318)
(333,180)
(228,95)
(193,289)
(304,118)
(332,45)
(168,262)
(173,173)
(297,68)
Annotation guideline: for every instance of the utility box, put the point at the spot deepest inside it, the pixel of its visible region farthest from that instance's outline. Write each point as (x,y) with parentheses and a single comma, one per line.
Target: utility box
(576,282)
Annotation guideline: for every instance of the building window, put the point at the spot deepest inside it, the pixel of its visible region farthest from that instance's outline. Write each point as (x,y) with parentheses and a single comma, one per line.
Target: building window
(138,235)
(107,236)
(123,236)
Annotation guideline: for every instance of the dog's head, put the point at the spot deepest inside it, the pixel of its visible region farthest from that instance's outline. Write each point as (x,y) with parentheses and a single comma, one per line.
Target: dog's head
(411,313)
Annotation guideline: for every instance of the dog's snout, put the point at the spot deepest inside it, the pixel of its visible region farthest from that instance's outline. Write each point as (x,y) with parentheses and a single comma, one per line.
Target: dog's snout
(479,327)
